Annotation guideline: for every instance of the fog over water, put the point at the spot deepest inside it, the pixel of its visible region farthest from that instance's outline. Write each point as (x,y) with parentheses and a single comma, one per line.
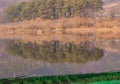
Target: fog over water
(14,66)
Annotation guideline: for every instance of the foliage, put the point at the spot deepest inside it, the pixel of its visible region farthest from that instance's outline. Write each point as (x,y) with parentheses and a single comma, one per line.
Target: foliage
(53,9)
(55,51)
(66,79)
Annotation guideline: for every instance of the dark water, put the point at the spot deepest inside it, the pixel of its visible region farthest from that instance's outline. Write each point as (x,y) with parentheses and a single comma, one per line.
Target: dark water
(11,66)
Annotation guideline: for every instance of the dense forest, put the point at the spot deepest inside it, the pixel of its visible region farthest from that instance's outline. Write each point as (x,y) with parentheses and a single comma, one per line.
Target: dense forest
(53,9)
(55,51)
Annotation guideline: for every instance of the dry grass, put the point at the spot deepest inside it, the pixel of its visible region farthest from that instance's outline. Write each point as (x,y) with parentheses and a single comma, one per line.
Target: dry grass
(108,23)
(65,29)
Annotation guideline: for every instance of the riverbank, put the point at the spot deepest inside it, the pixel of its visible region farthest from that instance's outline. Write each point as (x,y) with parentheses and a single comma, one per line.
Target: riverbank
(67,79)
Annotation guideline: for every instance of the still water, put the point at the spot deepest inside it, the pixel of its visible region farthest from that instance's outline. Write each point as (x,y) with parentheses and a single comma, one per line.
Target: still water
(11,66)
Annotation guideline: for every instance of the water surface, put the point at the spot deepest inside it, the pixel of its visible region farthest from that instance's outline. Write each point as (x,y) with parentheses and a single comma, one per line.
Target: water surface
(14,66)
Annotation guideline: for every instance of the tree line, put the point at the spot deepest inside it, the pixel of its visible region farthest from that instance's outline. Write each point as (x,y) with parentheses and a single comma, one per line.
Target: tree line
(53,9)
(55,51)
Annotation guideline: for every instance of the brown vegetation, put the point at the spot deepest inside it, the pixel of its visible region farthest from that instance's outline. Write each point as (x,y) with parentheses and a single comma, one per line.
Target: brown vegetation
(65,29)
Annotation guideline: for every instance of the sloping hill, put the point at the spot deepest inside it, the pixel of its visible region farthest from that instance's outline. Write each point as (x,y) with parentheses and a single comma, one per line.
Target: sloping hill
(108,5)
(110,1)
(6,3)
(111,5)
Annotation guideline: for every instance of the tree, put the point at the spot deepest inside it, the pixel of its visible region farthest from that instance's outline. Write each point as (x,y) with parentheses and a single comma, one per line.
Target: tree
(53,9)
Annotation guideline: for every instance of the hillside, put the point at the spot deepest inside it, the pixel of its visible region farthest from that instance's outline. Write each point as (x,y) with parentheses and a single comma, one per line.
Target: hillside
(112,4)
(109,5)
(6,3)
(110,1)
(61,29)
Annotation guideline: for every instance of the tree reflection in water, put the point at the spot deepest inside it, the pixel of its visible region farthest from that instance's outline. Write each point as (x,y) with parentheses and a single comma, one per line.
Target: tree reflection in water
(55,51)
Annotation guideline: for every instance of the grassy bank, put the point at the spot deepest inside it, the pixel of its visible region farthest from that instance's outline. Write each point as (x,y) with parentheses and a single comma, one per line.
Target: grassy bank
(66,79)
